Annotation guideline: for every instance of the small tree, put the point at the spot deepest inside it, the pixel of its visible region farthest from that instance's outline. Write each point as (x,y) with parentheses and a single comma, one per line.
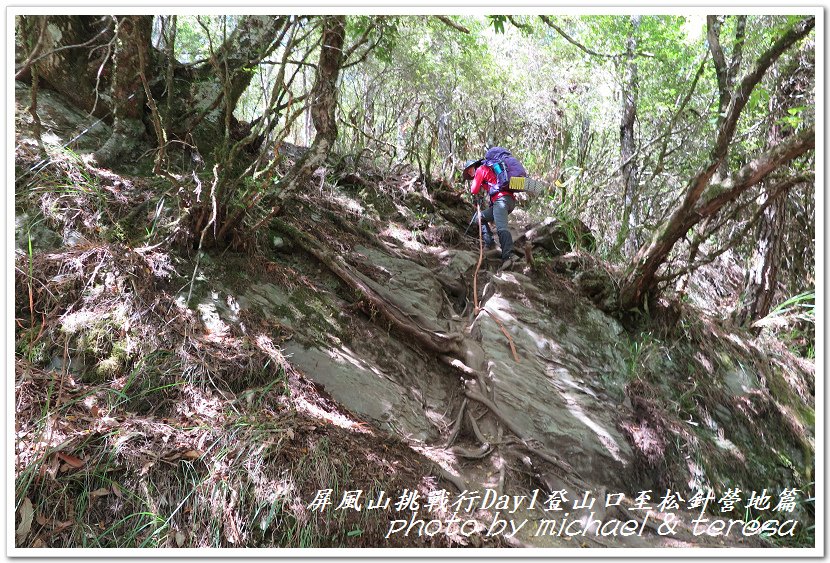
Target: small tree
(703,198)
(792,82)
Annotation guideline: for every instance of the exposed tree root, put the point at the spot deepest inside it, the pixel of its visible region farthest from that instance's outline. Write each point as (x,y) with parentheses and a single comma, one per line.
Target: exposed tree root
(517,431)
(551,459)
(448,348)
(456,480)
(456,427)
(459,365)
(495,410)
(502,474)
(507,334)
(479,453)
(430,340)
(476,430)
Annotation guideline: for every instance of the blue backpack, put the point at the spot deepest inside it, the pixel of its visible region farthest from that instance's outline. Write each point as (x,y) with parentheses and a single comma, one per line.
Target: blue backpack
(505,165)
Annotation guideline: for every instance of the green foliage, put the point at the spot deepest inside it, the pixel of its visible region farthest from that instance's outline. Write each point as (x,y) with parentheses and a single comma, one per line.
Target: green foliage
(800,307)
(793,321)
(498,23)
(196,34)
(191,40)
(637,353)
(383,32)
(421,69)
(794,118)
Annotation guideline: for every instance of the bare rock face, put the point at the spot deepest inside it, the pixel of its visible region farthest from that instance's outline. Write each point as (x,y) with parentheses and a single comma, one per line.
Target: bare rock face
(563,389)
(545,378)
(567,375)
(63,125)
(126,143)
(557,237)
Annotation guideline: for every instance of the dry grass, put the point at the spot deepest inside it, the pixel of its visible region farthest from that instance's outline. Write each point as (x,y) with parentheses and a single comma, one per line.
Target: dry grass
(142,421)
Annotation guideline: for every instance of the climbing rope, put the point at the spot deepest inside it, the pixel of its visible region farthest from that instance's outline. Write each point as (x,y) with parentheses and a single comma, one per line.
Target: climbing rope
(476,308)
(478,265)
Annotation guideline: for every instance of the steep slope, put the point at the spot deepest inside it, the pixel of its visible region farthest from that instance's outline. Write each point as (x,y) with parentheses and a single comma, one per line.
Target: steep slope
(367,346)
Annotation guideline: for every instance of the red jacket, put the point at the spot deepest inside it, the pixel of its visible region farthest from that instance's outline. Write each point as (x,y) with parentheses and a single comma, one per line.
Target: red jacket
(484,178)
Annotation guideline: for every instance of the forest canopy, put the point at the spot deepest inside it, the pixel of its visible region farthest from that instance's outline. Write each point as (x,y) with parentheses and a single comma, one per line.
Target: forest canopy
(668,134)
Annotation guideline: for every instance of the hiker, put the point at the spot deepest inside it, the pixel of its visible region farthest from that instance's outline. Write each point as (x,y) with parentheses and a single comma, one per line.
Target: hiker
(502,203)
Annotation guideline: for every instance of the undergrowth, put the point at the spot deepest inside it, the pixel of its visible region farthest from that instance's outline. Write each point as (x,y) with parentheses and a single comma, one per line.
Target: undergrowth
(146,419)
(712,410)
(143,420)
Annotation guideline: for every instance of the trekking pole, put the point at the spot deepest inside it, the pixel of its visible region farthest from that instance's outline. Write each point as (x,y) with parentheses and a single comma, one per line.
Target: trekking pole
(471,223)
(473,219)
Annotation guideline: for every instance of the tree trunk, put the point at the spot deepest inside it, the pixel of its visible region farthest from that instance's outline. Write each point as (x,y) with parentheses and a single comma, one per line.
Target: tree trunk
(204,94)
(629,168)
(726,72)
(132,41)
(641,279)
(761,277)
(584,143)
(443,120)
(323,106)
(78,49)
(70,64)
(701,199)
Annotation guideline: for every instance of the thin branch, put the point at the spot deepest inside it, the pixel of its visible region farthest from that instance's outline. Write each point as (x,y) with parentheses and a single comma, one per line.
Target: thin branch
(640,149)
(303,62)
(100,72)
(518,24)
(573,41)
(366,52)
(447,21)
(161,134)
(364,38)
(171,62)
(204,230)
(41,20)
(507,334)
(36,129)
(585,49)
(777,191)
(680,107)
(63,48)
